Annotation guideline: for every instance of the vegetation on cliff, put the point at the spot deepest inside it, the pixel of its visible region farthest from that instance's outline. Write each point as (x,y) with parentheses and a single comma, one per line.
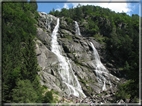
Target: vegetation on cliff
(119,33)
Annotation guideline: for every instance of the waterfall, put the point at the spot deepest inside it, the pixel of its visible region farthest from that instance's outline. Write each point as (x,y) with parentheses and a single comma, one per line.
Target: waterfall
(77,28)
(48,21)
(102,74)
(65,69)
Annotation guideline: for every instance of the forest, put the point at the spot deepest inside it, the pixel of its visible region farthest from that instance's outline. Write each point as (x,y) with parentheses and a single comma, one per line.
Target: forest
(20,81)
(118,32)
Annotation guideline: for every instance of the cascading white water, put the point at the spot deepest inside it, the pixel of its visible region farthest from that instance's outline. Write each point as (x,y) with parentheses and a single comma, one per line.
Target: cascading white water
(66,72)
(48,21)
(77,28)
(102,73)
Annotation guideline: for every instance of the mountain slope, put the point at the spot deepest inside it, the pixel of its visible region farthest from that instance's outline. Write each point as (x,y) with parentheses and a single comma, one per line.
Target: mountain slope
(118,33)
(88,53)
(110,31)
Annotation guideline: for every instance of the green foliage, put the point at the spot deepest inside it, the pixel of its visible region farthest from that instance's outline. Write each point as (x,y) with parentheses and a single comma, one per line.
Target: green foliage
(24,92)
(127,66)
(20,82)
(99,38)
(33,5)
(16,73)
(68,20)
(126,90)
(45,87)
(48,98)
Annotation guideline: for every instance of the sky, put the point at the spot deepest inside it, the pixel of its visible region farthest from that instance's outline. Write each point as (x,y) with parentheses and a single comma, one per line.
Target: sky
(121,6)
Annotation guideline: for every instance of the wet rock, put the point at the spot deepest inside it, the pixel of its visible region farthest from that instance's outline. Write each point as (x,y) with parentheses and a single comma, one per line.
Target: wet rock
(80,53)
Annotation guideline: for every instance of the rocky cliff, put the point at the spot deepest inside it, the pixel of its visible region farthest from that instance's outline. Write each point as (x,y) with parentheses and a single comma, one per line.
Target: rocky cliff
(84,56)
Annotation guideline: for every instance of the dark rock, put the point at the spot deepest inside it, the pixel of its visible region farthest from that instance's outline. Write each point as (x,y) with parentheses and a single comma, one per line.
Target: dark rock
(66,49)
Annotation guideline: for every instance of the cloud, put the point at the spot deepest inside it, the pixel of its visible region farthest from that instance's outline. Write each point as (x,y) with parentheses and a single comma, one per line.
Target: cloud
(58,8)
(117,7)
(66,6)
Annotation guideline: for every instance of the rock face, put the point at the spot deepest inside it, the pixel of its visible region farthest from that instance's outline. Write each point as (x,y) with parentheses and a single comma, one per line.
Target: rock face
(77,49)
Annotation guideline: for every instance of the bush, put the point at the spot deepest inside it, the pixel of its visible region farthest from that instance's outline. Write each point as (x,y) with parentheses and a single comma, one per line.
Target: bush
(124,92)
(48,98)
(68,20)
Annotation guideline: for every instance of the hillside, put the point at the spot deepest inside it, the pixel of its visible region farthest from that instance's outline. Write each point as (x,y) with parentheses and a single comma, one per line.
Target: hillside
(88,52)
